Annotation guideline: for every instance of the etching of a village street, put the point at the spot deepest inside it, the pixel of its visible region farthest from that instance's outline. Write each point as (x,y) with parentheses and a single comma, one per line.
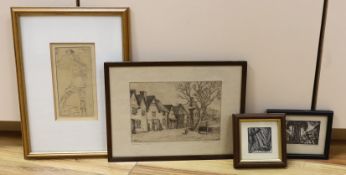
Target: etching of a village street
(175,111)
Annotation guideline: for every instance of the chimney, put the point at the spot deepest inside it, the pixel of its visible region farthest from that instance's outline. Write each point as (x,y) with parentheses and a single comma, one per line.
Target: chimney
(143,94)
(132,91)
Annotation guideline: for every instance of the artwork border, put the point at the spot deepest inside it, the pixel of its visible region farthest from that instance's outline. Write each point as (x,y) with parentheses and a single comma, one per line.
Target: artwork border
(237,163)
(108,66)
(312,113)
(16,13)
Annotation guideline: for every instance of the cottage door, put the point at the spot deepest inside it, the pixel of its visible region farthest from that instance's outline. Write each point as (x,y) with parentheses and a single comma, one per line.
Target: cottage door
(133,127)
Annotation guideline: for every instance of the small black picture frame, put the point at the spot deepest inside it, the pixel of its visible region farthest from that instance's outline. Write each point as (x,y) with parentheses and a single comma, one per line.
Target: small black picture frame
(311,124)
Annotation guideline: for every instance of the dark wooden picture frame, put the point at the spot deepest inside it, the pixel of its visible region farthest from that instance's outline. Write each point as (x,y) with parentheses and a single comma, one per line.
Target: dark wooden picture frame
(237,162)
(108,66)
(310,113)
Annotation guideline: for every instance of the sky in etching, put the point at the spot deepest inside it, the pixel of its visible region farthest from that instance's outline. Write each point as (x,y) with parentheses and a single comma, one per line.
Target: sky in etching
(164,91)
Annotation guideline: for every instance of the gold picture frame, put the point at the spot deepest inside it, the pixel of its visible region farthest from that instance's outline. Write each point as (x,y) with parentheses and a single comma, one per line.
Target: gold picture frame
(22,78)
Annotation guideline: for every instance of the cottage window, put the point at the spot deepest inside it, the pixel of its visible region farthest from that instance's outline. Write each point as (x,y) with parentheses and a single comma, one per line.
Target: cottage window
(134,110)
(138,123)
(154,113)
(164,122)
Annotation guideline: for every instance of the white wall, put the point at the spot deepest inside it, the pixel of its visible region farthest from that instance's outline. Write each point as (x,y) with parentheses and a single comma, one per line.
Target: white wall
(332,88)
(9,109)
(278,38)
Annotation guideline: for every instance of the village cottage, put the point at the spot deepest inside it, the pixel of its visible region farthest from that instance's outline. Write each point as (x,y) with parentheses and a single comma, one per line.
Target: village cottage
(149,114)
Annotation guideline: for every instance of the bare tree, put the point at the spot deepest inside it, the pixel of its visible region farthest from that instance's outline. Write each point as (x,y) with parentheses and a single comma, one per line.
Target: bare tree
(185,91)
(205,92)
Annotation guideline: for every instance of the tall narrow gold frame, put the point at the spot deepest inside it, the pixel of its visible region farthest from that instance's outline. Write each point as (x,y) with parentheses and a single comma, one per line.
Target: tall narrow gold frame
(16,13)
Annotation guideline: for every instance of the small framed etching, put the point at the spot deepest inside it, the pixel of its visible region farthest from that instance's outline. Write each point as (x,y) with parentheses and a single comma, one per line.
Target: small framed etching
(59,60)
(172,110)
(259,140)
(308,133)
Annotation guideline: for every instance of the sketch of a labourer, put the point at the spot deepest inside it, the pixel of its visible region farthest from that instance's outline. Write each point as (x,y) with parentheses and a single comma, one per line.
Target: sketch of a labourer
(73,100)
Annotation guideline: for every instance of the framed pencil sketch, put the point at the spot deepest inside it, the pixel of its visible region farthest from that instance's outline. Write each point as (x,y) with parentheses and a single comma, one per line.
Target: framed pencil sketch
(183,107)
(259,140)
(59,60)
(308,133)
(74,80)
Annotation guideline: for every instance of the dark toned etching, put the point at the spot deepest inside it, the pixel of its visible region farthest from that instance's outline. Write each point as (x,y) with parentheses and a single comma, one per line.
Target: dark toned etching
(260,140)
(175,111)
(302,132)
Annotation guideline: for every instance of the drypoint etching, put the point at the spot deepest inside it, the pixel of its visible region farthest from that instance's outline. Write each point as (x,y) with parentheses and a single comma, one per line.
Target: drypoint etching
(73,67)
(302,132)
(260,140)
(175,111)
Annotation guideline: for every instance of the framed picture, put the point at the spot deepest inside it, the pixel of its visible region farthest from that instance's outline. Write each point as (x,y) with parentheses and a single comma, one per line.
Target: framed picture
(259,140)
(172,110)
(59,59)
(308,133)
